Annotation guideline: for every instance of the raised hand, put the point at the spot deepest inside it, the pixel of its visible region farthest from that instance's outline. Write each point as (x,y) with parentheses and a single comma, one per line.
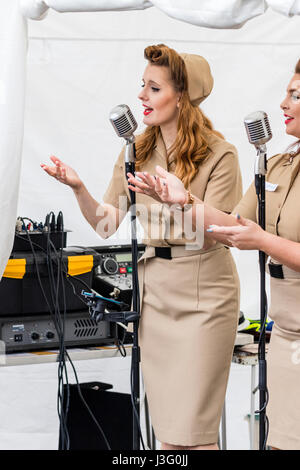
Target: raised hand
(245,236)
(63,173)
(163,187)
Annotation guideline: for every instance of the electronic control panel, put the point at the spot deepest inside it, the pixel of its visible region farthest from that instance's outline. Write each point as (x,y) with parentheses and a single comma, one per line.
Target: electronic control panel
(113,275)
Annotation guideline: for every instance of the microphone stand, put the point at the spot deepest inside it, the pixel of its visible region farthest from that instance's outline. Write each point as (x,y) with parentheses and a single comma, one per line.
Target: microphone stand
(260,172)
(97,304)
(130,157)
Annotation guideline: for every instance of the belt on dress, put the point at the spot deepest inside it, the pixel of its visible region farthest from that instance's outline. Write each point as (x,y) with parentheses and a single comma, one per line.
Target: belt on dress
(279,271)
(169,252)
(163,252)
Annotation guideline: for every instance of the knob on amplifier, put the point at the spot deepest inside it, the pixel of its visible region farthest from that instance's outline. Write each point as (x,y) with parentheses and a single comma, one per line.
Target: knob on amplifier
(110,266)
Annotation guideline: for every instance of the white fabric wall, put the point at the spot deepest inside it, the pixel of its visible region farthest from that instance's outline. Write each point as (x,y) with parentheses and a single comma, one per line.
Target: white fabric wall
(13,46)
(80,65)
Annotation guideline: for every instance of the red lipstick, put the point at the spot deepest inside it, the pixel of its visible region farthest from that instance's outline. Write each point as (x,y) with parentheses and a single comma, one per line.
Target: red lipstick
(147,110)
(289,118)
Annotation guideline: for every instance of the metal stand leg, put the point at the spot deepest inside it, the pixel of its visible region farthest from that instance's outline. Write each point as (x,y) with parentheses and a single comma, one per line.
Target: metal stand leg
(151,439)
(147,420)
(252,406)
(223,427)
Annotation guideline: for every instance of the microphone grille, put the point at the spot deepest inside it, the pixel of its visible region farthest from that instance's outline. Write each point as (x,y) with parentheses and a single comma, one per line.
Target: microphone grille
(258,128)
(123,120)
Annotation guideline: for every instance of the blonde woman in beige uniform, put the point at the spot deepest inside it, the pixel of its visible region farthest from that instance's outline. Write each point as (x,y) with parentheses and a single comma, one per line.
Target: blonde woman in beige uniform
(189,297)
(280,241)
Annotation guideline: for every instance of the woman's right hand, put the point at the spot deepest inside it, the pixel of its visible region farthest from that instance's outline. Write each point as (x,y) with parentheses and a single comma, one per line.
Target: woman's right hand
(63,173)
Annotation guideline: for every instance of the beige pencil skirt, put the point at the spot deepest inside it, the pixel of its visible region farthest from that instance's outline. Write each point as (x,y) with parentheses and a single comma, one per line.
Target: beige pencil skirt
(283,365)
(189,317)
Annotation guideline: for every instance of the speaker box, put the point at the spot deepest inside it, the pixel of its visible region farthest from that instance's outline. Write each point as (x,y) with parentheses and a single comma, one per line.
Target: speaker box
(112,410)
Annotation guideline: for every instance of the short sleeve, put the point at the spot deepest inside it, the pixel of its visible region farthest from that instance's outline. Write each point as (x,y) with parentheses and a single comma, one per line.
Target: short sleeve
(248,205)
(224,186)
(117,193)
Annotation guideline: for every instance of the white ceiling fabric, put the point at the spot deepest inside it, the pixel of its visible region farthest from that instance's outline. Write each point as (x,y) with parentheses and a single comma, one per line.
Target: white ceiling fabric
(219,14)
(286,7)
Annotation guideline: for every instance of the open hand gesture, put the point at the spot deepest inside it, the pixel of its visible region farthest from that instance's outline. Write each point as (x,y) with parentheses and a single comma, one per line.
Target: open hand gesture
(63,173)
(163,187)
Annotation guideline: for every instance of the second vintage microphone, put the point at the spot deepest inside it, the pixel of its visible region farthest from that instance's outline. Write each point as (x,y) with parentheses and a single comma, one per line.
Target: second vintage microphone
(259,133)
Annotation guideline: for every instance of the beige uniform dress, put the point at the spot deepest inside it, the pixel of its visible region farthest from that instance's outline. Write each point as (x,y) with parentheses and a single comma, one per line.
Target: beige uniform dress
(283,359)
(189,304)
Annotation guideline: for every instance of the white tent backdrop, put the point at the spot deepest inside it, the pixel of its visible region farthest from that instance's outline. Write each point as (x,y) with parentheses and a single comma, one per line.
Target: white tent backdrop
(81,65)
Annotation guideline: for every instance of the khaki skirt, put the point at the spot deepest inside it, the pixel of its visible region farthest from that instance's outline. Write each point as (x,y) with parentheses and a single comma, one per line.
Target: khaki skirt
(189,316)
(283,365)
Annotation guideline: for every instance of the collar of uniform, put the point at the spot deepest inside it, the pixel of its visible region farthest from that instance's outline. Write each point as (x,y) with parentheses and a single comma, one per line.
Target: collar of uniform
(293,163)
(160,148)
(288,159)
(295,169)
(287,179)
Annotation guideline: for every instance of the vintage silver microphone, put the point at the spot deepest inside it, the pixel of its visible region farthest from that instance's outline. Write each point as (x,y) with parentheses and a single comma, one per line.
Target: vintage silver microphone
(259,133)
(125,125)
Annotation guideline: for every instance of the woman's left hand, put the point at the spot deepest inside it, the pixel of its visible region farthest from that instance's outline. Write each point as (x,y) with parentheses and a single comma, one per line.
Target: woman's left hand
(163,187)
(245,236)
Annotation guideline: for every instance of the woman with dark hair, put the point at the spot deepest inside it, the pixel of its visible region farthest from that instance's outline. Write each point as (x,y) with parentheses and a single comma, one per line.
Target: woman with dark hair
(280,241)
(189,292)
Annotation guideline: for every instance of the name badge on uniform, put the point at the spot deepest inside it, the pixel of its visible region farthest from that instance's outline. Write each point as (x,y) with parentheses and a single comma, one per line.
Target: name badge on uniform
(271,186)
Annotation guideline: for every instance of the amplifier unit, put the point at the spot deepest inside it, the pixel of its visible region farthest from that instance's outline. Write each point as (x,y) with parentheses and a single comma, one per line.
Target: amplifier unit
(39,332)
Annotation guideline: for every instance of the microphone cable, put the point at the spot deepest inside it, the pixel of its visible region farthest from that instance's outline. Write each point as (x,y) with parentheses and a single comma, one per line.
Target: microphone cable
(63,353)
(262,338)
(63,382)
(135,296)
(59,325)
(63,350)
(119,342)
